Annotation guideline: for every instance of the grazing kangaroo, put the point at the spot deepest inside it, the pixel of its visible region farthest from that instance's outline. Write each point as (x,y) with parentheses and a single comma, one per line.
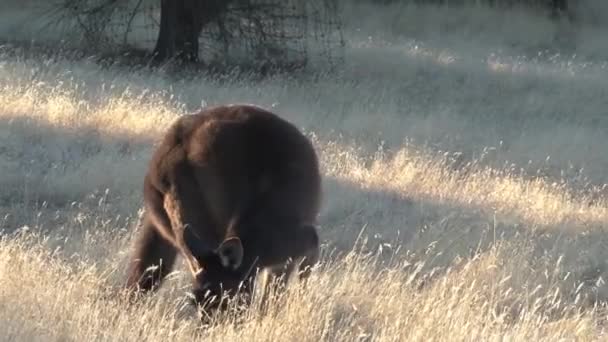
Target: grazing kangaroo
(233,189)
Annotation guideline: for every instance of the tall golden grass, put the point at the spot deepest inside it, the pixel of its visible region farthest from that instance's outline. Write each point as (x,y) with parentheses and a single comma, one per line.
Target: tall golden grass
(420,242)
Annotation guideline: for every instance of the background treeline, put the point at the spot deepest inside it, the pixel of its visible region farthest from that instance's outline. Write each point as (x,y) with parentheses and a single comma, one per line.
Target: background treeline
(555,7)
(535,3)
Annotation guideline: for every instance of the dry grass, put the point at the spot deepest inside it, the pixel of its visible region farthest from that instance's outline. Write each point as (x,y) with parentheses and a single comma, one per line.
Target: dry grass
(443,219)
(472,260)
(44,299)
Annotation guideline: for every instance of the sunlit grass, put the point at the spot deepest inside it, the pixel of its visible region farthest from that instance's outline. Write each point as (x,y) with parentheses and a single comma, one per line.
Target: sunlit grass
(437,224)
(485,297)
(470,266)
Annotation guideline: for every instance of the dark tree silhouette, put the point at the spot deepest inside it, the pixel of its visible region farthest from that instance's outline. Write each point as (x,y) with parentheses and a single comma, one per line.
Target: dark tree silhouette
(181,23)
(257,34)
(559,6)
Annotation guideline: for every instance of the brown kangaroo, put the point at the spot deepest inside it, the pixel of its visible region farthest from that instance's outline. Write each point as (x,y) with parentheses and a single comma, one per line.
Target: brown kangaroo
(232,188)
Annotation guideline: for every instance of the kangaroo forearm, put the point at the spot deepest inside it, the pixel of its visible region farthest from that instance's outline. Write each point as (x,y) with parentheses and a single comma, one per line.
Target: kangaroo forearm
(155,211)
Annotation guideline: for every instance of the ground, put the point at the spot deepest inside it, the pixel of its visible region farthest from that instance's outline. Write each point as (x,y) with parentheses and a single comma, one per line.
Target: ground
(464,163)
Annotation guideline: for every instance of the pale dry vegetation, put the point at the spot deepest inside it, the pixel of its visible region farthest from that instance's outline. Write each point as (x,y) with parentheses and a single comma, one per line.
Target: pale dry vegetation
(462,201)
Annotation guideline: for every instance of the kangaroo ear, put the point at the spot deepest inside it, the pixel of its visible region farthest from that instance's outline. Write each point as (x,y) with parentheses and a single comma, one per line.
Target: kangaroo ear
(231,253)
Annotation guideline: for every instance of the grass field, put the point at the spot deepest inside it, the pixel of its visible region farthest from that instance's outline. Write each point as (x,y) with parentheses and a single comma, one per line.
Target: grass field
(464,187)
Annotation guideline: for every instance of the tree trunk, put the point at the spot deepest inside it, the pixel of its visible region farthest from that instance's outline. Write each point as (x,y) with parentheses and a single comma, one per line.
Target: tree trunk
(559,6)
(178,37)
(181,23)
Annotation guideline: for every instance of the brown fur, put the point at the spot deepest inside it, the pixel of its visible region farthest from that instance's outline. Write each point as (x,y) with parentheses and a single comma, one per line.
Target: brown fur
(231,188)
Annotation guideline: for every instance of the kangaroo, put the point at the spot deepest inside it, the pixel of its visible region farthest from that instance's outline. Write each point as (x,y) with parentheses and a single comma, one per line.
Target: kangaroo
(232,189)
